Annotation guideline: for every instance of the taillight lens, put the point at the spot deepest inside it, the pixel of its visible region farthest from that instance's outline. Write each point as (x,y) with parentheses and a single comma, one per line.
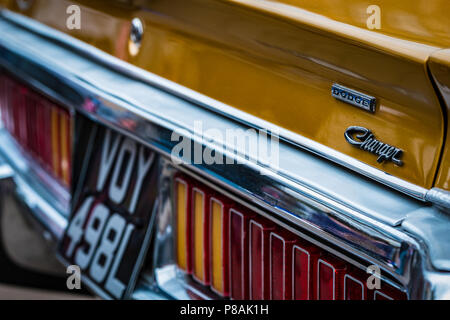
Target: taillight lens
(220,244)
(237,253)
(330,274)
(42,128)
(183,232)
(354,288)
(259,252)
(200,226)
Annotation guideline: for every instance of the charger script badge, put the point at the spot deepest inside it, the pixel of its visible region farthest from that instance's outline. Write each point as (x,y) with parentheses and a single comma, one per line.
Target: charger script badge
(365,140)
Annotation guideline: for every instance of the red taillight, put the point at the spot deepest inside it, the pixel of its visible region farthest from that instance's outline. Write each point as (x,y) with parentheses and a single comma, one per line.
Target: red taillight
(239,257)
(259,258)
(387,292)
(354,289)
(200,235)
(240,254)
(330,273)
(219,208)
(42,128)
(281,244)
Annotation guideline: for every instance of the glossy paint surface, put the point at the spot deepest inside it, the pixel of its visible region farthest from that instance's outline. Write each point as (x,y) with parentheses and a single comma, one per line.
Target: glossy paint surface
(278,62)
(182,222)
(424,21)
(440,69)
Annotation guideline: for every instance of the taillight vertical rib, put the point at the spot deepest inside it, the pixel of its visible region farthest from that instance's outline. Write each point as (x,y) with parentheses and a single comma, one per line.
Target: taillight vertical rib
(259,259)
(64,146)
(31,124)
(2,99)
(387,292)
(183,229)
(8,106)
(48,156)
(56,156)
(200,206)
(354,289)
(9,100)
(378,295)
(281,244)
(219,248)
(304,265)
(239,253)
(330,273)
(21,123)
(69,145)
(40,132)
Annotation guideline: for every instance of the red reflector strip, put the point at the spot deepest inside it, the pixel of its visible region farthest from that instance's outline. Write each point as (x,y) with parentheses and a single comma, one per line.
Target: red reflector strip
(303,265)
(281,244)
(354,289)
(3,110)
(200,225)
(219,248)
(329,279)
(56,152)
(48,156)
(259,259)
(9,107)
(21,120)
(183,229)
(32,123)
(388,293)
(239,258)
(65,125)
(381,296)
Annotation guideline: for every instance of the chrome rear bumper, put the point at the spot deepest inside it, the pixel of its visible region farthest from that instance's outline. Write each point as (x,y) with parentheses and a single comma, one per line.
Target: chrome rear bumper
(338,209)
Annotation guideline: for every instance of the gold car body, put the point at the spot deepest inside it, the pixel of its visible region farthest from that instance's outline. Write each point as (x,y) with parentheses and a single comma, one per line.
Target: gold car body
(277,60)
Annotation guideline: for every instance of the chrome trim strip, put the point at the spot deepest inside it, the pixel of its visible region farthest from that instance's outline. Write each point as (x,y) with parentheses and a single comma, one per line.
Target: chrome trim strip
(439,197)
(33,174)
(52,219)
(216,106)
(6,171)
(40,206)
(432,227)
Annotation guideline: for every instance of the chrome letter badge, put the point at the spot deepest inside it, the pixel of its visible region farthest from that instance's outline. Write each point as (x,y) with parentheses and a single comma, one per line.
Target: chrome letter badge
(364,139)
(353,97)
